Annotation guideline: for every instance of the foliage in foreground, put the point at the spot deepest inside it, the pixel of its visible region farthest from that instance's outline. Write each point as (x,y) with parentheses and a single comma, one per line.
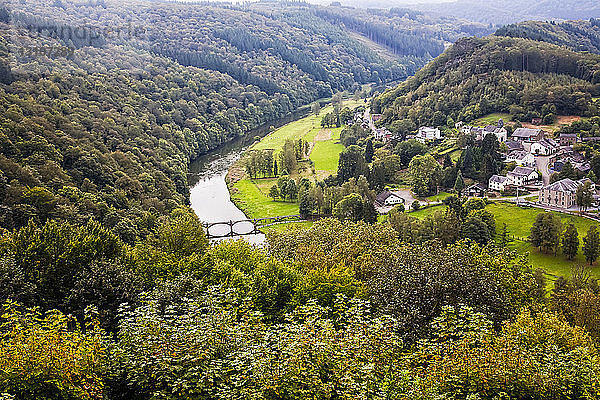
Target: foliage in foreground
(340,310)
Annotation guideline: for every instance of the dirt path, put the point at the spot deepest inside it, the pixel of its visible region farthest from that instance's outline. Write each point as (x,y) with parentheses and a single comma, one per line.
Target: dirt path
(323,135)
(560,120)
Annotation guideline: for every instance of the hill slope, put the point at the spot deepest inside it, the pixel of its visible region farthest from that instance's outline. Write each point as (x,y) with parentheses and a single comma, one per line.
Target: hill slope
(510,11)
(576,35)
(496,74)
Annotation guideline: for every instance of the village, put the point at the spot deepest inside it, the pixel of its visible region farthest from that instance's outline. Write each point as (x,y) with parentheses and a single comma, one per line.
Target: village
(535,155)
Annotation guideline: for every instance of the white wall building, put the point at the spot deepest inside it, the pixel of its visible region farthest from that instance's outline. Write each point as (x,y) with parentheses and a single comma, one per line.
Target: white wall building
(521,176)
(544,147)
(521,158)
(427,133)
(498,183)
(387,198)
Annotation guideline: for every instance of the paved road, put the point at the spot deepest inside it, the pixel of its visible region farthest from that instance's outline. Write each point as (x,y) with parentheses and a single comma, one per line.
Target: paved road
(543,163)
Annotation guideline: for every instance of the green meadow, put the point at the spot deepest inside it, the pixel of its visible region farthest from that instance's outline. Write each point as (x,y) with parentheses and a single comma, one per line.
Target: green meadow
(519,222)
(252,196)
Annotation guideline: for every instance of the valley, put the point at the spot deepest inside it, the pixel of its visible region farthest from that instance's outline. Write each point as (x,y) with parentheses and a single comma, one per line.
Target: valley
(284,200)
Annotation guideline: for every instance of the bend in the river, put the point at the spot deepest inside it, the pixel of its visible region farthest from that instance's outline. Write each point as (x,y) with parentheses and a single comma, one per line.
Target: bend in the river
(209,194)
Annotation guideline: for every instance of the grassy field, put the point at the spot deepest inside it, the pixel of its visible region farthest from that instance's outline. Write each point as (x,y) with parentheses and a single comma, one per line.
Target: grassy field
(326,156)
(455,155)
(424,212)
(252,195)
(437,197)
(302,128)
(284,227)
(255,203)
(519,222)
(490,119)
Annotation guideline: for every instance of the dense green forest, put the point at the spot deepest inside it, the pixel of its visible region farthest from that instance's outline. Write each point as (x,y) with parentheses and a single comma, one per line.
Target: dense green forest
(477,76)
(114,142)
(289,48)
(576,35)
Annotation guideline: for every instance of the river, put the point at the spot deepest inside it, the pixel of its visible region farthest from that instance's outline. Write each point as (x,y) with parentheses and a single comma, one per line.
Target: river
(209,195)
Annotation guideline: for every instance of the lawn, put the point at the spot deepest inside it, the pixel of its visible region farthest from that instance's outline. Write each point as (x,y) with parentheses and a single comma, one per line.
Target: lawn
(256,204)
(252,196)
(491,119)
(553,265)
(519,222)
(424,212)
(305,128)
(438,197)
(284,227)
(326,155)
(302,128)
(455,155)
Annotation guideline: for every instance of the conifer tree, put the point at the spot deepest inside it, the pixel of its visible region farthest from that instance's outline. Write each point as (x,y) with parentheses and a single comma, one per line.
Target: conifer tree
(591,242)
(570,242)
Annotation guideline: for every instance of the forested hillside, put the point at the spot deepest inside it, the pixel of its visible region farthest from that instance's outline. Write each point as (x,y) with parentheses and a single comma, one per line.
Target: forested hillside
(499,12)
(476,76)
(576,35)
(112,134)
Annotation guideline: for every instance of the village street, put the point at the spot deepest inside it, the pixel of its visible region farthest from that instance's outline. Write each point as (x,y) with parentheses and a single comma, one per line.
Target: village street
(542,163)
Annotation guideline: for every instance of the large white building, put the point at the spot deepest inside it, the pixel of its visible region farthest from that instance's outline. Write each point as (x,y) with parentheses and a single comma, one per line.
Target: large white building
(521,158)
(498,183)
(521,176)
(544,147)
(562,194)
(427,134)
(387,198)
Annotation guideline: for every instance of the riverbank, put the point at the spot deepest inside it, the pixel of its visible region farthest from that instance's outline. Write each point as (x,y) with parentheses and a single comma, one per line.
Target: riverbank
(209,194)
(252,195)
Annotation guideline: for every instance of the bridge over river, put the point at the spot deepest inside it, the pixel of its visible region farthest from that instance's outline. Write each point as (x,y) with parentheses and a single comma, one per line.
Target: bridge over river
(224,229)
(243,227)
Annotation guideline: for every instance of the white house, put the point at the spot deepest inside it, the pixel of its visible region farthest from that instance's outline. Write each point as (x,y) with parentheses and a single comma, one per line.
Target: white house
(500,132)
(427,133)
(544,147)
(522,158)
(387,198)
(520,176)
(498,183)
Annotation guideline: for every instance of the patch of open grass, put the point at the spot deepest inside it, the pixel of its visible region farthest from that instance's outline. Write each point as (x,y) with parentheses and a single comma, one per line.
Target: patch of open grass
(292,131)
(557,265)
(425,211)
(490,119)
(284,227)
(256,203)
(326,155)
(519,222)
(455,155)
(252,196)
(437,197)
